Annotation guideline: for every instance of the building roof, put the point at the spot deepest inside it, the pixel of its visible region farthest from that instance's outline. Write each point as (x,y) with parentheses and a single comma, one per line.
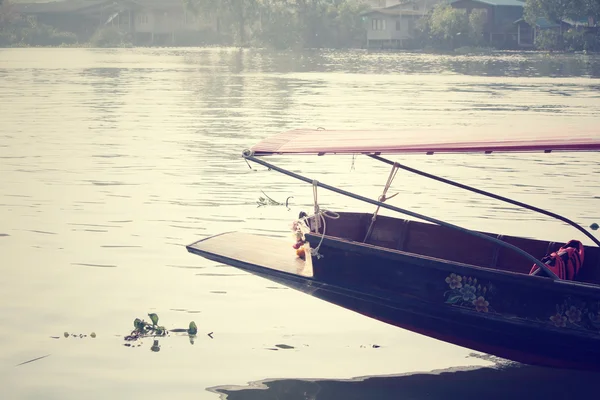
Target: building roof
(73,6)
(544,23)
(158,4)
(541,23)
(580,22)
(395,13)
(395,10)
(497,3)
(61,6)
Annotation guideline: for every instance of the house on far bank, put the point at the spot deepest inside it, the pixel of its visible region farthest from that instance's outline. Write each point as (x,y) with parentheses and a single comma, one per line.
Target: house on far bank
(160,21)
(82,17)
(526,33)
(394,27)
(499,28)
(163,22)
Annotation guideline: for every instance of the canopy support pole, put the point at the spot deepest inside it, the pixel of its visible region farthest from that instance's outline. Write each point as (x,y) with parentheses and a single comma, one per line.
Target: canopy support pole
(488,194)
(249,156)
(382,199)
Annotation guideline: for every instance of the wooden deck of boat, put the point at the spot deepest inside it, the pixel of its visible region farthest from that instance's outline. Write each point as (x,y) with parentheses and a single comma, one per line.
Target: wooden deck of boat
(253,250)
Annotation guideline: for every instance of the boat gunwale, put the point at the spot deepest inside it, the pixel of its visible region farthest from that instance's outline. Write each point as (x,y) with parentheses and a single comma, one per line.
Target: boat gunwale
(208,237)
(430,262)
(451,266)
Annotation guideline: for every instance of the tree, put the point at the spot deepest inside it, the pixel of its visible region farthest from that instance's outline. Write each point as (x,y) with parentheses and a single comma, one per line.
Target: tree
(7,14)
(278,26)
(556,10)
(477,20)
(446,24)
(349,24)
(239,13)
(288,23)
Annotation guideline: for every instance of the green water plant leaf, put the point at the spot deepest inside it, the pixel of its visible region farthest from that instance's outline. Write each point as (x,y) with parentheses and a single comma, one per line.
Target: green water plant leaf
(146,329)
(153,318)
(193,329)
(138,324)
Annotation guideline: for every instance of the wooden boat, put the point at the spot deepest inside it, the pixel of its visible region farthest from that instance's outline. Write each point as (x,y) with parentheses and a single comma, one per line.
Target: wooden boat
(484,291)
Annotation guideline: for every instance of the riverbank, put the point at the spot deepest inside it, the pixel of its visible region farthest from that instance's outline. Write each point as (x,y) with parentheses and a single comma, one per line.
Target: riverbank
(461,51)
(444,29)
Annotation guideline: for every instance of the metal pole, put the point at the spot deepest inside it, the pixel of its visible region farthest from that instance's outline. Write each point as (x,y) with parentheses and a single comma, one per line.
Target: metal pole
(249,156)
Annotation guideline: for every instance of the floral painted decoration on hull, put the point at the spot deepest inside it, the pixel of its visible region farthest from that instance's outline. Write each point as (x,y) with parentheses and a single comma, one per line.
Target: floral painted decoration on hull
(577,314)
(466,291)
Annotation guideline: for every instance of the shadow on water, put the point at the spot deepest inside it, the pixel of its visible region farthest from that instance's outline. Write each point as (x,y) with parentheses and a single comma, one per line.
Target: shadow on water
(514,381)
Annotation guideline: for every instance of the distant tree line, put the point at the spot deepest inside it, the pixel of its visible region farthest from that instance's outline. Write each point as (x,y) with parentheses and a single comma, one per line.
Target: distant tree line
(284,24)
(287,23)
(446,28)
(556,10)
(273,23)
(582,11)
(16,30)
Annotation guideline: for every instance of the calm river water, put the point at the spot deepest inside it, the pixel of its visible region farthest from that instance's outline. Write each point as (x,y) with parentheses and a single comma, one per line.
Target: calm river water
(112,160)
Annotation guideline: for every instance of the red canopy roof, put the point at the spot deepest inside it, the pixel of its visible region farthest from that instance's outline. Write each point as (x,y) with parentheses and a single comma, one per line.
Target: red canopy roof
(463,140)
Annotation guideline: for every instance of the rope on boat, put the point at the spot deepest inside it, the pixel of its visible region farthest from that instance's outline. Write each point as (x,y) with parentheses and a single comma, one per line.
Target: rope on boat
(383,198)
(322,217)
(315,185)
(319,218)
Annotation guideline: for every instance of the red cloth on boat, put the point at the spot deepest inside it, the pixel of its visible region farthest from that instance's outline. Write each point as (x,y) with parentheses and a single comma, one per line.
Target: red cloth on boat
(565,262)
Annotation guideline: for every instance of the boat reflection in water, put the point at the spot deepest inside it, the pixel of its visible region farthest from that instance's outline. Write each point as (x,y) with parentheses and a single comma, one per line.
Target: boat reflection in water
(504,381)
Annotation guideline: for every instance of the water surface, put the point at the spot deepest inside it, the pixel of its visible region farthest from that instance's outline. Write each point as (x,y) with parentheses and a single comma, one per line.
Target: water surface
(112,160)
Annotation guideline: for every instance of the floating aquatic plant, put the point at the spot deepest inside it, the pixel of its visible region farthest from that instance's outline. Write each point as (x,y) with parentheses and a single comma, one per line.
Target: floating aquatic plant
(268,201)
(155,346)
(193,329)
(153,329)
(144,329)
(75,335)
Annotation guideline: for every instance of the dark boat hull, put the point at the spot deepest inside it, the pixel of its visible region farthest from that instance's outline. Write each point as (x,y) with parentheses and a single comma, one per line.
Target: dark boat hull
(518,322)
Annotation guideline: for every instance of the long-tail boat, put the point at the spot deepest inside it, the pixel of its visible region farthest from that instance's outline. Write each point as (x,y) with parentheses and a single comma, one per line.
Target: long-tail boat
(534,301)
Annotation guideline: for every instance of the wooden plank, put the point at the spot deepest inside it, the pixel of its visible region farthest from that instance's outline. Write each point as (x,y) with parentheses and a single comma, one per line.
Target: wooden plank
(263,251)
